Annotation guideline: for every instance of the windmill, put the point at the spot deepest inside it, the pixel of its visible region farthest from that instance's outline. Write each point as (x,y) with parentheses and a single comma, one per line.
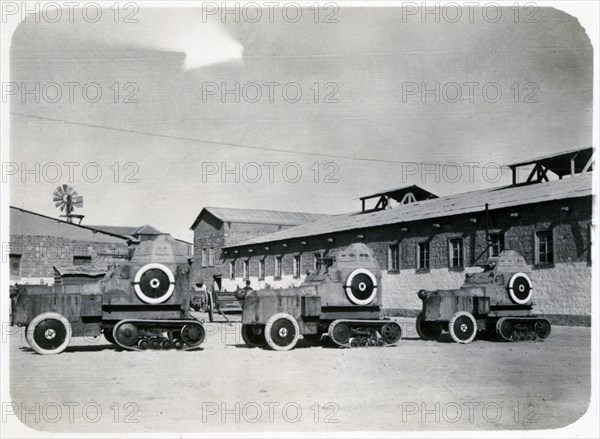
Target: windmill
(67,199)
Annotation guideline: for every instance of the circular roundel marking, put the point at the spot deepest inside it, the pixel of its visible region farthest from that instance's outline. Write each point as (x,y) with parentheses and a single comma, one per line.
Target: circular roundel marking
(49,333)
(154,283)
(361,287)
(520,288)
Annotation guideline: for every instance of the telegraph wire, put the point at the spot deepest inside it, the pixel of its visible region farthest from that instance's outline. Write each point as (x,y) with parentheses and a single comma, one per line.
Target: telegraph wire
(236,145)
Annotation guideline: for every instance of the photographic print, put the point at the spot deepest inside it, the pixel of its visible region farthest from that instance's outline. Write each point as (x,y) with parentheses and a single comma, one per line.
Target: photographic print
(299,219)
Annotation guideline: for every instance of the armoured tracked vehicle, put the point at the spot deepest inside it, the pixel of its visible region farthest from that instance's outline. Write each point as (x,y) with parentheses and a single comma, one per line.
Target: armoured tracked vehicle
(341,300)
(498,300)
(139,304)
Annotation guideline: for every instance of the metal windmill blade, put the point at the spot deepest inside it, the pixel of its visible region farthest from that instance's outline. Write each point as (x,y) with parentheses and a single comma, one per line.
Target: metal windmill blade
(78,201)
(66,199)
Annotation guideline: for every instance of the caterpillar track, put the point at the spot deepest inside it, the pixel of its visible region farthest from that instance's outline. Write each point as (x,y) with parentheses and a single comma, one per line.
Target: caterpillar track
(140,335)
(522,328)
(364,333)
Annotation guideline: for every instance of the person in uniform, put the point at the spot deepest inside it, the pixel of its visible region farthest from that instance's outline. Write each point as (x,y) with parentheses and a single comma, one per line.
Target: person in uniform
(240,294)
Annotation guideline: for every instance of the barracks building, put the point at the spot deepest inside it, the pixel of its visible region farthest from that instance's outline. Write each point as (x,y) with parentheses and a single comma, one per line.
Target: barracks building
(425,242)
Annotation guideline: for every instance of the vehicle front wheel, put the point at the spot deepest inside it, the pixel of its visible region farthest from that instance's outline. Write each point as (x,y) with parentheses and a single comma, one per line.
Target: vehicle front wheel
(462,327)
(49,333)
(282,332)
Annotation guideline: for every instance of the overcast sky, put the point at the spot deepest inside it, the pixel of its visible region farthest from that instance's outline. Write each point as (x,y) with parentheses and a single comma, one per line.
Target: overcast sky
(371,64)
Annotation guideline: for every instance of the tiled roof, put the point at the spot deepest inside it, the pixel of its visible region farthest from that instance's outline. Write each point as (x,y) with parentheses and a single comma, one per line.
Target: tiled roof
(257,216)
(128,230)
(26,222)
(497,198)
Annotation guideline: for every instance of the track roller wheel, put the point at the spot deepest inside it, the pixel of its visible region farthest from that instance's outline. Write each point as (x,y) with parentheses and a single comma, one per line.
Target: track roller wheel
(364,341)
(505,329)
(127,334)
(155,343)
(426,330)
(49,333)
(167,344)
(251,338)
(177,344)
(144,344)
(462,327)
(380,342)
(192,334)
(340,333)
(373,341)
(391,332)
(542,329)
(354,342)
(282,332)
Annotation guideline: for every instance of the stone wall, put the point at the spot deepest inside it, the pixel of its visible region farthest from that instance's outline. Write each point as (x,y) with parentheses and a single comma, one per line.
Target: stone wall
(40,253)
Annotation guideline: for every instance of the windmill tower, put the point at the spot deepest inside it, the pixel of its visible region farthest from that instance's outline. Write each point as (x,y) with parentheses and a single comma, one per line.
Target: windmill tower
(67,199)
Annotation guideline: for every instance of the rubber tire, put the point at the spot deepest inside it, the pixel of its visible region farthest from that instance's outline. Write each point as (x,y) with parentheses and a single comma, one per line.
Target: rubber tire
(40,318)
(252,340)
(453,334)
(268,335)
(424,332)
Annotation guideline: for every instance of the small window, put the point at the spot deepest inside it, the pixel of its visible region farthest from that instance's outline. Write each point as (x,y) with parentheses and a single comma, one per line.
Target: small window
(204,259)
(261,268)
(297,265)
(544,253)
(211,257)
(456,253)
(246,268)
(279,266)
(317,261)
(232,269)
(394,257)
(82,260)
(423,259)
(496,244)
(15,266)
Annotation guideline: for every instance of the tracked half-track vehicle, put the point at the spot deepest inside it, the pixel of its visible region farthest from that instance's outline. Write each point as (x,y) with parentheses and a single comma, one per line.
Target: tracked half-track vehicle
(142,303)
(340,301)
(497,300)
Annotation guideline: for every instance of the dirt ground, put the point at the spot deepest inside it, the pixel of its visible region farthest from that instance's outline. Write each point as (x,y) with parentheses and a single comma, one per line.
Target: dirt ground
(227,387)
